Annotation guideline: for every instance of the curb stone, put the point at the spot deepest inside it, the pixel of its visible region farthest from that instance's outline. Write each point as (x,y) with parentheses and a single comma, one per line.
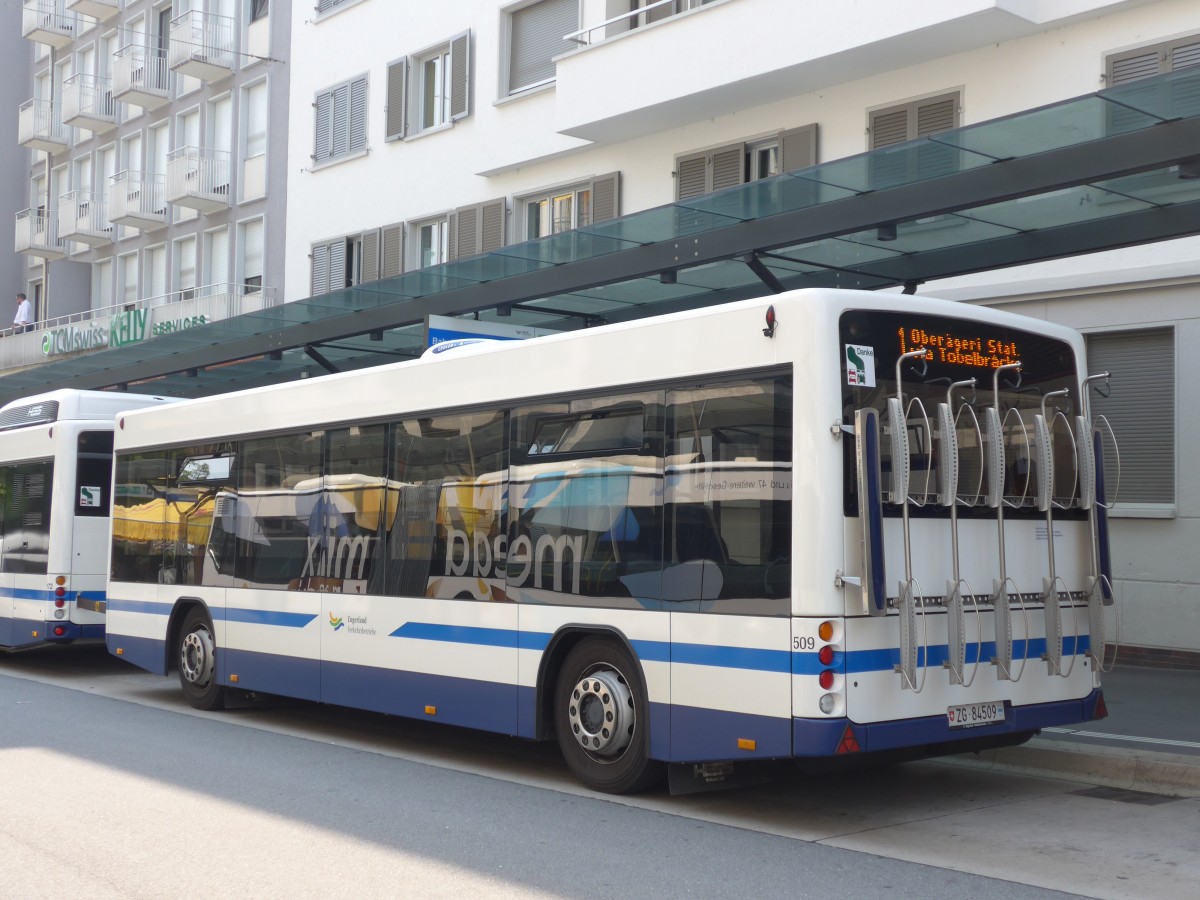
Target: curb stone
(1171,774)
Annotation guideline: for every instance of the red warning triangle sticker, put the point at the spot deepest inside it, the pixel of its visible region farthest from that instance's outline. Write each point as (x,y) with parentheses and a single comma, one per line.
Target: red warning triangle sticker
(1100,711)
(849,743)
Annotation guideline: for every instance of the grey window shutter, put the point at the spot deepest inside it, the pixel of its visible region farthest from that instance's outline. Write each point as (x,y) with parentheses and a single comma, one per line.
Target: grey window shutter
(370,257)
(321,119)
(798,148)
(691,176)
(728,167)
(357,126)
(460,76)
(606,197)
(1133,66)
(889,126)
(491,225)
(339,123)
(337,264)
(391,261)
(535,38)
(1185,55)
(1140,408)
(319,283)
(938,114)
(451,236)
(394,115)
(466,231)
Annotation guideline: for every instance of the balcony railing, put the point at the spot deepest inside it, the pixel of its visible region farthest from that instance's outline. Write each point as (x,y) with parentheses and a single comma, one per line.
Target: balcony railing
(137,199)
(40,127)
(37,235)
(89,331)
(202,45)
(82,217)
(198,178)
(88,102)
(48,22)
(141,76)
(635,18)
(98,9)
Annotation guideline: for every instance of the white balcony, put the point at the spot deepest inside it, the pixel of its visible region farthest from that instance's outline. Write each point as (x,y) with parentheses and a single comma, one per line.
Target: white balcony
(138,199)
(702,60)
(82,217)
(40,127)
(198,178)
(97,9)
(140,75)
(202,45)
(37,235)
(48,22)
(88,103)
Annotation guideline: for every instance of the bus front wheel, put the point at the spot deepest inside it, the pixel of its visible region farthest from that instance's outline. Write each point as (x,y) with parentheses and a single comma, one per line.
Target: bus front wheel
(197,660)
(601,716)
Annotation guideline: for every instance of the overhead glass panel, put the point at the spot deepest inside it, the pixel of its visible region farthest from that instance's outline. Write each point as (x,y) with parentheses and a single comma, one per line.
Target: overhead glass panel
(890,167)
(767,197)
(1064,207)
(1172,96)
(566,246)
(837,253)
(932,233)
(1049,128)
(1163,187)
(663,223)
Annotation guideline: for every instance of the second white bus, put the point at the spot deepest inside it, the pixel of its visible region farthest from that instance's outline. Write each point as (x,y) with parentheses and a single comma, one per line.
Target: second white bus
(818,525)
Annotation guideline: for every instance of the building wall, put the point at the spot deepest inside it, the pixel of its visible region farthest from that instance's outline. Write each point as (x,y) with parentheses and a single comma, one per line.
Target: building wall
(75,283)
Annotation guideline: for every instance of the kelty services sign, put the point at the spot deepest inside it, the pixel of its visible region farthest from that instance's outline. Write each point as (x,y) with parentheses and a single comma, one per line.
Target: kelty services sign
(121,330)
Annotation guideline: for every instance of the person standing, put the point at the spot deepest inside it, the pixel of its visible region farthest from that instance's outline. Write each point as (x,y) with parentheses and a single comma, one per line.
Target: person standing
(24,318)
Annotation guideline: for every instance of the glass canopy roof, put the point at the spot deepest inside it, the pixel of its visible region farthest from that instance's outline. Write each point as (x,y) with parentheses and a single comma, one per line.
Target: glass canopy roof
(1106,170)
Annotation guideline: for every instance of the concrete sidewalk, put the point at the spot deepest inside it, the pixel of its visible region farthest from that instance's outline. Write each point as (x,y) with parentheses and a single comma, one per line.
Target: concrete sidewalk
(1149,742)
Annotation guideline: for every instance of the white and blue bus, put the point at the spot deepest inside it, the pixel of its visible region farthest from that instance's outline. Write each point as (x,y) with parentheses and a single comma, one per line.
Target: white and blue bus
(56,479)
(825,524)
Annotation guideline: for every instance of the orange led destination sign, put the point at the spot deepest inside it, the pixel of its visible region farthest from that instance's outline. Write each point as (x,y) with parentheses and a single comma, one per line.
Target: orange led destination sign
(957,350)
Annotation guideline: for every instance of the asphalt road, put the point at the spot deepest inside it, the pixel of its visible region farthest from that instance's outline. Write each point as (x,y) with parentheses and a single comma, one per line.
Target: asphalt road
(111,787)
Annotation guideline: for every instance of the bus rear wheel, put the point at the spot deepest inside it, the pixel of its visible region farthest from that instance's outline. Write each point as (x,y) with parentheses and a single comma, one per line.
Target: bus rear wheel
(601,718)
(197,661)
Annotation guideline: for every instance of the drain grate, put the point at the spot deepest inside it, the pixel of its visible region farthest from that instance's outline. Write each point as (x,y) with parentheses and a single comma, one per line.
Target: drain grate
(1122,795)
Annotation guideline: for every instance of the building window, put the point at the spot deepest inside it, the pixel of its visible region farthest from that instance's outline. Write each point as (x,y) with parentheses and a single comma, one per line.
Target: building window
(254,100)
(430,242)
(535,37)
(1158,59)
(570,207)
(259,9)
(340,120)
(1141,409)
(251,242)
(430,89)
(918,119)
(324,6)
(345,262)
(722,167)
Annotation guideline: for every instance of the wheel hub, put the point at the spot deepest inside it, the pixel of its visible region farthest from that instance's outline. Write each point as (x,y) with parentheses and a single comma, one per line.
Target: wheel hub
(601,713)
(196,657)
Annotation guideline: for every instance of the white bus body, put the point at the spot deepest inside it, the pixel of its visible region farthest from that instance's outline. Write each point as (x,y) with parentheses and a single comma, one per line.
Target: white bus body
(56,474)
(691,539)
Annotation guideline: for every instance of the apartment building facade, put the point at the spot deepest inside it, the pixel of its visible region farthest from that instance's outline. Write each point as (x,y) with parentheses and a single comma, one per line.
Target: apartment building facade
(431,132)
(153,198)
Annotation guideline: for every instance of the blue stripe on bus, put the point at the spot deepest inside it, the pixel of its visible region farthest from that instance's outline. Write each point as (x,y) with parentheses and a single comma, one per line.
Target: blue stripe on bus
(753,658)
(458,634)
(150,607)
(264,617)
(886,659)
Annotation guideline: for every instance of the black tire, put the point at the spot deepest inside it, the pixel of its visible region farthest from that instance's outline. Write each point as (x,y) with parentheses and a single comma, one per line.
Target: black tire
(196,659)
(600,701)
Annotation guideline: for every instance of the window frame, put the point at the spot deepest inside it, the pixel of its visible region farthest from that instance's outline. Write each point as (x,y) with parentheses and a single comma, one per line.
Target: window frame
(507,88)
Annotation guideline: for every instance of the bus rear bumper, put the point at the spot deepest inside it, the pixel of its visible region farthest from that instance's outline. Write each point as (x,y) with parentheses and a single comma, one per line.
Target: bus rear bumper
(837,737)
(21,634)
